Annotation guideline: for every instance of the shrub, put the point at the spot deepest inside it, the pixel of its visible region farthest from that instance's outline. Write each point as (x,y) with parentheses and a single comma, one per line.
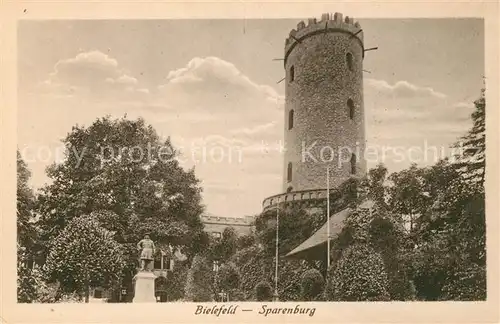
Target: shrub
(263,291)
(252,267)
(312,285)
(228,277)
(199,282)
(359,275)
(468,284)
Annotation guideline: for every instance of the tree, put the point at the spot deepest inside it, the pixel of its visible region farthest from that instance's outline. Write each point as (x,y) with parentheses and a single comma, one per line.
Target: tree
(200,280)
(222,249)
(122,170)
(84,255)
(295,226)
(471,161)
(407,196)
(312,285)
(373,186)
(245,241)
(359,276)
(228,278)
(26,230)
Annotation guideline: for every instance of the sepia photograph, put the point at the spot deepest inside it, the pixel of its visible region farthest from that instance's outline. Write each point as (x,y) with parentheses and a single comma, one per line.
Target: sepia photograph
(305,160)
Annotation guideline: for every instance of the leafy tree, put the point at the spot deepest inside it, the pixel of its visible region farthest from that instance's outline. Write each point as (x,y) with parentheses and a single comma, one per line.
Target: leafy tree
(295,226)
(252,265)
(373,186)
(312,285)
(200,280)
(84,255)
(222,249)
(26,230)
(359,276)
(471,161)
(245,241)
(121,171)
(176,281)
(122,166)
(263,291)
(228,278)
(407,196)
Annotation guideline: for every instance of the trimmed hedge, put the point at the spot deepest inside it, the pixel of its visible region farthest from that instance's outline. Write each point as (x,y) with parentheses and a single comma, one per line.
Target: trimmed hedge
(313,285)
(263,291)
(359,275)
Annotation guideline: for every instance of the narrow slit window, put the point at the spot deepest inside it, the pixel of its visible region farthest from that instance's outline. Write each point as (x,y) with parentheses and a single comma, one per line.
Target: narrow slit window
(292,74)
(290,119)
(353,163)
(289,172)
(350,61)
(350,107)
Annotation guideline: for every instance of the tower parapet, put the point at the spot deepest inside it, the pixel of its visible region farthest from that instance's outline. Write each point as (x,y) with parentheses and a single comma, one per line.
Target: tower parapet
(327,24)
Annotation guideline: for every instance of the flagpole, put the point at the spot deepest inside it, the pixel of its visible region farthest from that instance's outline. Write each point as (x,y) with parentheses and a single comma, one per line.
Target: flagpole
(276,256)
(328,217)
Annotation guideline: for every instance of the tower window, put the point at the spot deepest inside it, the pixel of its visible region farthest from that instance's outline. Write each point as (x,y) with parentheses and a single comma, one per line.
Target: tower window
(350,61)
(292,74)
(290,119)
(353,163)
(289,172)
(350,106)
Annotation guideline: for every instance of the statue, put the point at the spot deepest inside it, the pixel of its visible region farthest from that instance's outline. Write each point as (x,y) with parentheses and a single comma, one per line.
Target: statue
(147,248)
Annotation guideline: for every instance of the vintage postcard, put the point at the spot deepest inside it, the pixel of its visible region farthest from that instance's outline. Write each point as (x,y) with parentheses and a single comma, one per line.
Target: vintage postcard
(249,162)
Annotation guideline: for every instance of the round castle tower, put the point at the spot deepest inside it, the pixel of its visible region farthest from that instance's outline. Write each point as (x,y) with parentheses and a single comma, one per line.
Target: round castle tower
(324,114)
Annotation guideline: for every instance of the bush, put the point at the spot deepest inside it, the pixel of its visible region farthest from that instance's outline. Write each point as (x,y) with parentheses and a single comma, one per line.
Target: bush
(359,275)
(468,284)
(199,284)
(263,291)
(228,277)
(252,266)
(312,285)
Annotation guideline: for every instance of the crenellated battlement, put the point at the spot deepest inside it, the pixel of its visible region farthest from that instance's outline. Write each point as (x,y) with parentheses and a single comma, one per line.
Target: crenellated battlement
(328,23)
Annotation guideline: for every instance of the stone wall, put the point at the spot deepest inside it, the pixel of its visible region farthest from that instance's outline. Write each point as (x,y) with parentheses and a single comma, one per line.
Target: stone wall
(214,224)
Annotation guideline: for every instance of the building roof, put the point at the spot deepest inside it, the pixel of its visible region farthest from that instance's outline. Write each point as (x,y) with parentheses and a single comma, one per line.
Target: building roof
(315,246)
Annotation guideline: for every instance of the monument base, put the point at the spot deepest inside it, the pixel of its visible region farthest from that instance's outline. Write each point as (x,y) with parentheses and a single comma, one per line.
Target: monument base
(144,287)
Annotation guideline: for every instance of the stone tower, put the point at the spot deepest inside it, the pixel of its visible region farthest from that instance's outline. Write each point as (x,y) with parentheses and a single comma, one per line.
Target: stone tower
(324,114)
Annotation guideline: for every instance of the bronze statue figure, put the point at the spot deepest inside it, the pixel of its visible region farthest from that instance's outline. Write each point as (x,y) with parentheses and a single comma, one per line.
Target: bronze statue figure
(147,248)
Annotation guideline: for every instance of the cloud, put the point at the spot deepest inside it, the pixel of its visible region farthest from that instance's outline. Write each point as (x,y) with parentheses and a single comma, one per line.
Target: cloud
(91,75)
(406,116)
(403,89)
(255,130)
(464,105)
(218,85)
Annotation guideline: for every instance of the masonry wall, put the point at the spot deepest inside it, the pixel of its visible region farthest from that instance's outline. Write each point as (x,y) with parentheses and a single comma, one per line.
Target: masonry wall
(318,95)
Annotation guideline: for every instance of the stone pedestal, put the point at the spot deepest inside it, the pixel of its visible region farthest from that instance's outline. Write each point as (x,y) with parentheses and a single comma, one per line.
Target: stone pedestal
(144,287)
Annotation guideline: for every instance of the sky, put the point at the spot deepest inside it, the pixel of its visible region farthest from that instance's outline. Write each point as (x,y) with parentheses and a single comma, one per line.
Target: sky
(213,84)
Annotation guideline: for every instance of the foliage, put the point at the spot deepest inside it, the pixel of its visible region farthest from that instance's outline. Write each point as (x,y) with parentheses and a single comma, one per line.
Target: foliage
(312,285)
(245,241)
(471,161)
(222,249)
(26,230)
(199,284)
(294,226)
(359,276)
(466,284)
(176,281)
(263,291)
(253,266)
(122,166)
(84,255)
(228,277)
